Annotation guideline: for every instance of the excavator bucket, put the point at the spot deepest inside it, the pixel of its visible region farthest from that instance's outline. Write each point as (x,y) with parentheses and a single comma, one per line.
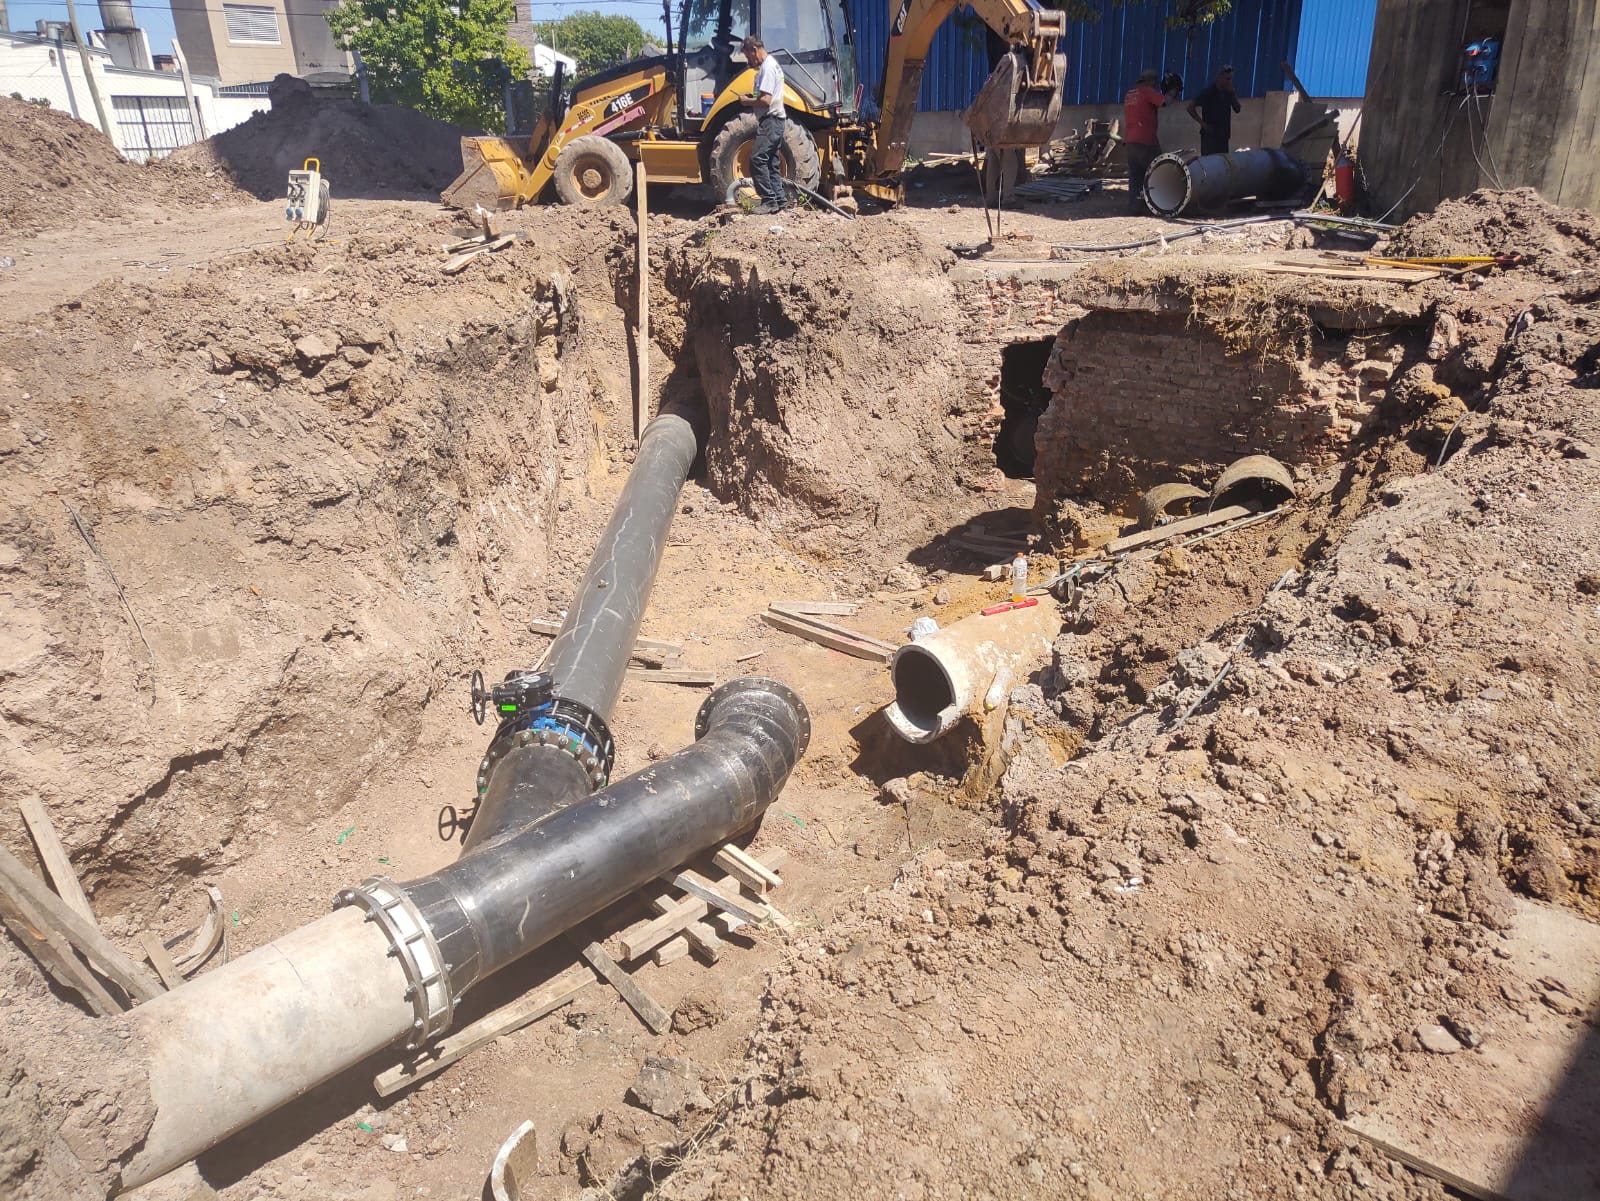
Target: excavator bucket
(1011,110)
(493,172)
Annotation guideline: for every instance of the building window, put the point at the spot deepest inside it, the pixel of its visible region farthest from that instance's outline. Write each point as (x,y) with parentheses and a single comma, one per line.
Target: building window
(152,126)
(252,24)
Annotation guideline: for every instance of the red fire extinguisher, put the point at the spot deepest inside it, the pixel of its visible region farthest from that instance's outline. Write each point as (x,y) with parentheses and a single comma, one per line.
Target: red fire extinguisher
(1344,181)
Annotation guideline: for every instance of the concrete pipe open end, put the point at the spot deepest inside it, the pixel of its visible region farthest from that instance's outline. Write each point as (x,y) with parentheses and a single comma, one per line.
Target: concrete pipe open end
(930,695)
(942,678)
(1167,185)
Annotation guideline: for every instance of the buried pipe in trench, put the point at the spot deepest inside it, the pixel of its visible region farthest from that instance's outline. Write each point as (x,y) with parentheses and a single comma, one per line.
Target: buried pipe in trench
(567,752)
(942,678)
(232,1046)
(393,960)
(1183,181)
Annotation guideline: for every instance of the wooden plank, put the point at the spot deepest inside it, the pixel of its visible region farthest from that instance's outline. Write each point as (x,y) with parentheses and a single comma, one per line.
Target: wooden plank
(745,658)
(57,865)
(160,959)
(44,909)
(1472,1188)
(551,995)
(677,916)
(804,608)
(698,886)
(671,952)
(750,872)
(842,631)
(1373,274)
(55,956)
(1173,529)
(848,644)
(540,625)
(642,1003)
(661,675)
(696,934)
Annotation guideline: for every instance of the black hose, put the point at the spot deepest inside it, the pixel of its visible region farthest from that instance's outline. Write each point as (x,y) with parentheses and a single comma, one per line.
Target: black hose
(497,903)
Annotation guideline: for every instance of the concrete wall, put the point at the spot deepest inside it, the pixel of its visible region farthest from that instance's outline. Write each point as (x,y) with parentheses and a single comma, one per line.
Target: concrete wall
(1260,122)
(35,71)
(1423,142)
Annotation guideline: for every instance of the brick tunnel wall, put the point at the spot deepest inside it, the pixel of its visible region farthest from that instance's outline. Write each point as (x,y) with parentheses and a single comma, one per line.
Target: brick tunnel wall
(1144,398)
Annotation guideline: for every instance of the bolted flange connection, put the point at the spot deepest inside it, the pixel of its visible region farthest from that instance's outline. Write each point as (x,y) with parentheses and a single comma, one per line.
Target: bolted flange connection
(412,943)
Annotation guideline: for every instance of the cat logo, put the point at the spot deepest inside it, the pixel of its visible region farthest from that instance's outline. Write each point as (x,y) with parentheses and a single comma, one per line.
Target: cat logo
(628,99)
(900,18)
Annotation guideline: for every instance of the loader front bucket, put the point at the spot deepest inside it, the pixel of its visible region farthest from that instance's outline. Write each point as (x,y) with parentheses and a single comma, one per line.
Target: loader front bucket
(1011,110)
(494,173)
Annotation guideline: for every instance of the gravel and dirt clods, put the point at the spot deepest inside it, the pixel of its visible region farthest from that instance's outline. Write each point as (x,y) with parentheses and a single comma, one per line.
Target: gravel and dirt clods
(1165,953)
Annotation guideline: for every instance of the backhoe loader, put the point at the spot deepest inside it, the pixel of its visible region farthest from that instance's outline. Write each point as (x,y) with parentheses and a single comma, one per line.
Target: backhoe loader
(679,114)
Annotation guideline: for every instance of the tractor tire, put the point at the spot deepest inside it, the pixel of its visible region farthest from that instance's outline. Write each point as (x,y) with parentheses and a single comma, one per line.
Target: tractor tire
(592,171)
(730,155)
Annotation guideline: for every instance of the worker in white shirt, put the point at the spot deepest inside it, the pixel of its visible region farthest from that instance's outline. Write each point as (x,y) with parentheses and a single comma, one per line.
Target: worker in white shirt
(766,167)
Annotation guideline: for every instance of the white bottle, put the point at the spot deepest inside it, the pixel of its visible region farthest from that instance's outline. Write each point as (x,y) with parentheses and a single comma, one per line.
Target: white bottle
(1019,578)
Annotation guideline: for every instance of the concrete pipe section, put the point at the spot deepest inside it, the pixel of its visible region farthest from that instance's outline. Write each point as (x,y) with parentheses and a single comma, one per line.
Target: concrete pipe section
(392,962)
(1183,181)
(940,679)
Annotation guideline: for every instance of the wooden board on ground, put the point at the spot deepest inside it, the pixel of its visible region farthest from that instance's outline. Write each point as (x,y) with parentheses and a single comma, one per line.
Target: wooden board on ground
(798,608)
(849,643)
(1174,529)
(160,959)
(697,885)
(642,1003)
(57,866)
(677,916)
(1390,275)
(49,913)
(548,997)
(54,954)
(749,871)
(663,675)
(1515,1118)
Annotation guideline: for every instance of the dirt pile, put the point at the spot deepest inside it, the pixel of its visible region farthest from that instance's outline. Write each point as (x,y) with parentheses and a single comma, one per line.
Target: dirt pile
(1193,949)
(367,150)
(828,384)
(1556,242)
(56,171)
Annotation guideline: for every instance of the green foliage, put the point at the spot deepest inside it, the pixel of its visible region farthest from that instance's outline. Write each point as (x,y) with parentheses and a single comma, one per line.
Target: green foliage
(450,60)
(594,39)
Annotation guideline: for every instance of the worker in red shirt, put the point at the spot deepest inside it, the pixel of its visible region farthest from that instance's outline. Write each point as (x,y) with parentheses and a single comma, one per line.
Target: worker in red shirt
(1140,114)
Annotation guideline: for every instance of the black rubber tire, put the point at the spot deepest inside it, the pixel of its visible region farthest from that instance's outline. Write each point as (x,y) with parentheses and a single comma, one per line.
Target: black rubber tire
(798,154)
(592,171)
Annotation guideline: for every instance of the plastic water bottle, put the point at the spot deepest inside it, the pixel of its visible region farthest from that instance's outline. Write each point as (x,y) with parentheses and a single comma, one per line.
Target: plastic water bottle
(1019,578)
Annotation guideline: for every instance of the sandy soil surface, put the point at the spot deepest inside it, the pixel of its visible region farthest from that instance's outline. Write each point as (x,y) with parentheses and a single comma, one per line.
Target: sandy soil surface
(319,484)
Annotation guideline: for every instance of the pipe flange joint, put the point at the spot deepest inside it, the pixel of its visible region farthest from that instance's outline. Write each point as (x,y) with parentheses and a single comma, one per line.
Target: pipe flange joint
(702,719)
(564,724)
(412,943)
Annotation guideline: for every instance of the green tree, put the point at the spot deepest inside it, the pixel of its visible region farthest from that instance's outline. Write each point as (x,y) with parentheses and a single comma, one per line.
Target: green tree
(450,59)
(594,39)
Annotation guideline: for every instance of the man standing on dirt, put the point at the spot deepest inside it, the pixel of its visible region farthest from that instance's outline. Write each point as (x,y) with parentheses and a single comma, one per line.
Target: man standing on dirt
(1213,109)
(767,100)
(1140,114)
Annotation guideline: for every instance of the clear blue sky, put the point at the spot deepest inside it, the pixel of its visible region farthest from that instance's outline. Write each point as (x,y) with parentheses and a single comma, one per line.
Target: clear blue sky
(156,18)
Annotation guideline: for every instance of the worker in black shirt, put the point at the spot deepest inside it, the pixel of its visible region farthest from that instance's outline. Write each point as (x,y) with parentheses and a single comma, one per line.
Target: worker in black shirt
(1213,109)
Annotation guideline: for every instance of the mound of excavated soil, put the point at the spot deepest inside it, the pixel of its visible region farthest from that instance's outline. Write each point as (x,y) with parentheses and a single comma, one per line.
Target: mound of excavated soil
(1556,241)
(367,150)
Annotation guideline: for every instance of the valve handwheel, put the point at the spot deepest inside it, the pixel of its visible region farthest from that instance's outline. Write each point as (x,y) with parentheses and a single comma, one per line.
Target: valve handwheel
(480,698)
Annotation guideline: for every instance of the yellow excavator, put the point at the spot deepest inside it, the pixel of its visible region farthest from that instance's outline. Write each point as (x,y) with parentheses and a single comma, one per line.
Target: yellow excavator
(679,114)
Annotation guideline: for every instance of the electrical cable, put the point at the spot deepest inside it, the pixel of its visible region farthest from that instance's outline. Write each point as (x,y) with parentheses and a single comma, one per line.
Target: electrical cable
(1437,153)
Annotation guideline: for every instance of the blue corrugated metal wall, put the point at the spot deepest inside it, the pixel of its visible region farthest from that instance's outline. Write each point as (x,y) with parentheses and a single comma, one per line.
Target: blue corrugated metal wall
(1334,44)
(1105,56)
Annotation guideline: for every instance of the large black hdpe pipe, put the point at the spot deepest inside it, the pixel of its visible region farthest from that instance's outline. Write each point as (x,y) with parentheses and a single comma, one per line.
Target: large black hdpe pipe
(1183,181)
(569,753)
(392,961)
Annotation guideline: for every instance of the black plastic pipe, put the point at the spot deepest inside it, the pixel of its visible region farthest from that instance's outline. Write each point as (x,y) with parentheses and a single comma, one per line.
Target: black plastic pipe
(1182,181)
(500,902)
(522,780)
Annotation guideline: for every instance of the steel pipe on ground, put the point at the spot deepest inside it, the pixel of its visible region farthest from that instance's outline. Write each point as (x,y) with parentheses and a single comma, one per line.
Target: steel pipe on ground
(1182,181)
(940,679)
(237,1043)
